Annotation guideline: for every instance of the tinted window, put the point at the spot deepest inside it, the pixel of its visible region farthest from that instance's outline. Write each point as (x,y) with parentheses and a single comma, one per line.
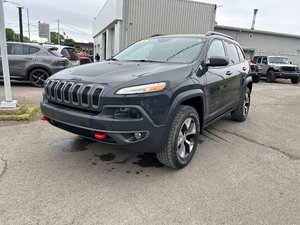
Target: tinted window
(216,49)
(69,53)
(259,60)
(33,50)
(17,49)
(265,61)
(241,53)
(232,53)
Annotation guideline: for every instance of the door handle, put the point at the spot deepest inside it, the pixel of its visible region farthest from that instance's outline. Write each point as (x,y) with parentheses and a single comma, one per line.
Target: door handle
(228,73)
(28,58)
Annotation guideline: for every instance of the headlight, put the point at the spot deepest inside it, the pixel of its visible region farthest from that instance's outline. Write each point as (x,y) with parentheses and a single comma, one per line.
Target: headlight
(147,88)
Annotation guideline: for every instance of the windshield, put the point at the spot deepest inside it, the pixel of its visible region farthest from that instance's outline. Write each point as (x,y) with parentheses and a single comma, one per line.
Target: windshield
(279,60)
(163,49)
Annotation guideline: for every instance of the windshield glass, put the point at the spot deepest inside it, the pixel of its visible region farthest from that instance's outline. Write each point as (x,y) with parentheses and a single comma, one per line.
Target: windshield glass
(279,60)
(164,49)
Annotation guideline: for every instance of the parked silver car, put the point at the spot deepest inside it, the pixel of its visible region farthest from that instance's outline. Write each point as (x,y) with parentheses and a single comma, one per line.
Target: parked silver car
(66,51)
(33,62)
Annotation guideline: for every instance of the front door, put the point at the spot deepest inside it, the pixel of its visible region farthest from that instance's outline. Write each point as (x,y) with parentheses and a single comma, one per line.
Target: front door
(218,83)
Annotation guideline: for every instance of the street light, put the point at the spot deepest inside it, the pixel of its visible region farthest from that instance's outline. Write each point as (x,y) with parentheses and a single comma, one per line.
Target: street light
(27,11)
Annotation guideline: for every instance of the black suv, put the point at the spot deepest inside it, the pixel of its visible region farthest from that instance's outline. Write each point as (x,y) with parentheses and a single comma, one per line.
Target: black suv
(155,96)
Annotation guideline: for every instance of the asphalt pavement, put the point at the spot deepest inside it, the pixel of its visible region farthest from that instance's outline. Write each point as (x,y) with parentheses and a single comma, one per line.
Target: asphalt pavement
(241,173)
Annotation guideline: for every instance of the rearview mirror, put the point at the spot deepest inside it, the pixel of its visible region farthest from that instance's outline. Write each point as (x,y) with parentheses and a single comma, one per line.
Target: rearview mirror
(217,61)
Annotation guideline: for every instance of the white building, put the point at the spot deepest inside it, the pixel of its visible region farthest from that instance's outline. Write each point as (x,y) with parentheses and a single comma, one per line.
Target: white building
(123,22)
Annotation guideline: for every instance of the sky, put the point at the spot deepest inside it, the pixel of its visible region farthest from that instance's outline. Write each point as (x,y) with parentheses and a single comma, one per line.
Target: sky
(77,16)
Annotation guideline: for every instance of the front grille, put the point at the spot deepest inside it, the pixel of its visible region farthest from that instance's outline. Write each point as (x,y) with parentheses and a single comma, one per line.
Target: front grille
(81,95)
(288,68)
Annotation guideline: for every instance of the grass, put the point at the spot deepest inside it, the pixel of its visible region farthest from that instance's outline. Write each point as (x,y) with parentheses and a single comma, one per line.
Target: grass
(24,114)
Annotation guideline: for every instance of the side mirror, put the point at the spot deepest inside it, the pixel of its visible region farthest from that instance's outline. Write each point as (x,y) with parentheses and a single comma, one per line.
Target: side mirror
(217,61)
(291,63)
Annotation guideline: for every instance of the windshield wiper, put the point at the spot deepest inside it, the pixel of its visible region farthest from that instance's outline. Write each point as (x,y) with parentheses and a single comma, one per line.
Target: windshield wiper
(145,60)
(112,59)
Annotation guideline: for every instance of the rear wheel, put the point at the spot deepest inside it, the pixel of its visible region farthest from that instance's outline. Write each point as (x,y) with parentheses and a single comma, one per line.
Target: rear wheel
(295,80)
(271,77)
(240,114)
(182,140)
(38,77)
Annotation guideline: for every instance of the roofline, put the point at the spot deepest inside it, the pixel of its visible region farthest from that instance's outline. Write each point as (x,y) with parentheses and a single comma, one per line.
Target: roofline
(239,29)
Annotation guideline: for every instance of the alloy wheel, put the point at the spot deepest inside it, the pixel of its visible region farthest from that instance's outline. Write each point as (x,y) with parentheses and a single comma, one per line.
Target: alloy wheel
(186,138)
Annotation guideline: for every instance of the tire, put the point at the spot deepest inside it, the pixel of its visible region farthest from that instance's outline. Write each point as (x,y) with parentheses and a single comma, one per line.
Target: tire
(38,77)
(271,77)
(182,140)
(295,80)
(240,114)
(256,78)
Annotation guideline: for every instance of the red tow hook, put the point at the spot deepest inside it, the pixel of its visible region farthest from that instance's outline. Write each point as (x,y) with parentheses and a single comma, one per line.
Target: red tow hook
(100,136)
(44,118)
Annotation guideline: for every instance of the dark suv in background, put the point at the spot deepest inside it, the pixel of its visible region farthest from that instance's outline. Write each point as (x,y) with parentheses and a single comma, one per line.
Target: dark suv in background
(33,62)
(155,96)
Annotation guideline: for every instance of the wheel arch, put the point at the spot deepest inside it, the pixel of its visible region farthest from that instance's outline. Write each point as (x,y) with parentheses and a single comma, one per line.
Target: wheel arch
(193,98)
(29,70)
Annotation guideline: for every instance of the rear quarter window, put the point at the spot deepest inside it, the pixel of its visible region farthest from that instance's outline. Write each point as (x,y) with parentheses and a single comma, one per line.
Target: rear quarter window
(33,50)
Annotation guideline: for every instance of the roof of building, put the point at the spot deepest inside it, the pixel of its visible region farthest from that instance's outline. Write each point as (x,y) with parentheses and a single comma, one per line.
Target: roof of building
(257,31)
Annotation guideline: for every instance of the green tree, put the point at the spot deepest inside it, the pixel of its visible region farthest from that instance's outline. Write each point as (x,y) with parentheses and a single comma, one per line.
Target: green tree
(69,42)
(54,40)
(11,35)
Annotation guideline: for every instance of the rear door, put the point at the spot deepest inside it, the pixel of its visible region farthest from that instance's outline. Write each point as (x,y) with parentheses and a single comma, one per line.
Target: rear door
(242,69)
(218,83)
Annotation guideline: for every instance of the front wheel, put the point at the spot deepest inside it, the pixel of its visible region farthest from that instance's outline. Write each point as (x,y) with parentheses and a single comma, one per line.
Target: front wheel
(240,114)
(182,140)
(38,77)
(271,77)
(295,80)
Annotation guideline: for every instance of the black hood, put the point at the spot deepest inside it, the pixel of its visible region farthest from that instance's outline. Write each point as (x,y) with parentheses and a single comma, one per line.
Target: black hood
(115,73)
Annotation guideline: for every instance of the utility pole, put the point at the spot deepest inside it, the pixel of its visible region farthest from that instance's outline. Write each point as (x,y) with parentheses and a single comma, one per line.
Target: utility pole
(27,10)
(8,102)
(58,35)
(21,24)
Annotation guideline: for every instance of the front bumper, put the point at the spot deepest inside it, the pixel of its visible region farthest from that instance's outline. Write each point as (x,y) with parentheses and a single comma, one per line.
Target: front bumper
(120,131)
(286,74)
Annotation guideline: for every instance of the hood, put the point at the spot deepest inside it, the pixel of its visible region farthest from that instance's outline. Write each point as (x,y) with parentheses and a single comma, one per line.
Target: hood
(116,73)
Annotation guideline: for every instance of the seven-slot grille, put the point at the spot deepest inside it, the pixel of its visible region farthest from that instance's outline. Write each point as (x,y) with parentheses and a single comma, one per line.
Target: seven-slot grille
(86,96)
(289,68)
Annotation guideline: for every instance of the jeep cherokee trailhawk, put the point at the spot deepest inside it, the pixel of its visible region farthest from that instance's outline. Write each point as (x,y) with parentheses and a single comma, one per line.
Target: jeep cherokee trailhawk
(155,96)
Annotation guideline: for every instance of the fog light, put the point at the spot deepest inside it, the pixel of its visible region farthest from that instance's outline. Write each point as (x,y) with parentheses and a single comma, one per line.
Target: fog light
(137,135)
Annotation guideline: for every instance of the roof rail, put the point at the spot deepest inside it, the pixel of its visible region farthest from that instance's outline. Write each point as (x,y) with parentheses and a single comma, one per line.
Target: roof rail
(209,33)
(155,35)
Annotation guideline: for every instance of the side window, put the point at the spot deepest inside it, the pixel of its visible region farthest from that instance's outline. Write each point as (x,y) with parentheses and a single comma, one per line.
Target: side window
(232,53)
(265,60)
(33,50)
(259,60)
(216,49)
(241,54)
(17,49)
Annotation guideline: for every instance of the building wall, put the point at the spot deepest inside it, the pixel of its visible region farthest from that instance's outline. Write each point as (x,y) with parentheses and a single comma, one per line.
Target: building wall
(265,43)
(123,22)
(143,18)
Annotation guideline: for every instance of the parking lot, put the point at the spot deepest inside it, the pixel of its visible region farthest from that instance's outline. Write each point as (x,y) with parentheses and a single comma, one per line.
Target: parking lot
(242,173)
